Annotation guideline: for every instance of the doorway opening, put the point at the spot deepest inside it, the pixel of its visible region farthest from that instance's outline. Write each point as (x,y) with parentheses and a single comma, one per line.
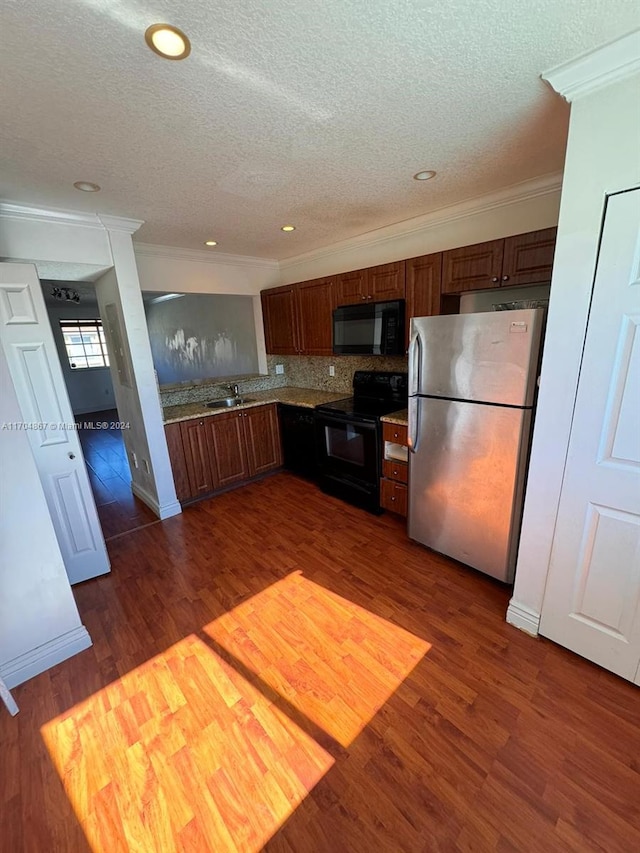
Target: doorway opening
(76,323)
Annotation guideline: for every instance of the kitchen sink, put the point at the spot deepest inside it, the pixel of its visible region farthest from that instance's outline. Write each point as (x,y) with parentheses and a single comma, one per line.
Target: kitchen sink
(227,402)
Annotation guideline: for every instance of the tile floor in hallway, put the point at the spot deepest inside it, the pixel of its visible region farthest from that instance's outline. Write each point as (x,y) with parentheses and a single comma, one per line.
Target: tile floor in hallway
(119,510)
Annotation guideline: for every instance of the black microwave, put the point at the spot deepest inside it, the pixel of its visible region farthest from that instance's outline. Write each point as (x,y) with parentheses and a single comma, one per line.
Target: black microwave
(374,328)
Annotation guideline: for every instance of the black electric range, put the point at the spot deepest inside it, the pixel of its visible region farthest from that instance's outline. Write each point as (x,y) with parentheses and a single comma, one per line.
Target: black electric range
(349,437)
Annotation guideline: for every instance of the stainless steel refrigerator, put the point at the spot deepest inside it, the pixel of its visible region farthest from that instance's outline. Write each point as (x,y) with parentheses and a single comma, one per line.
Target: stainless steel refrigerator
(472,384)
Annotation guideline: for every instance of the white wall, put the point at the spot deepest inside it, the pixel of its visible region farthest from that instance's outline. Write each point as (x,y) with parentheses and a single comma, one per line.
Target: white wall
(167,269)
(39,620)
(90,390)
(602,157)
(64,237)
(528,207)
(139,402)
(163,268)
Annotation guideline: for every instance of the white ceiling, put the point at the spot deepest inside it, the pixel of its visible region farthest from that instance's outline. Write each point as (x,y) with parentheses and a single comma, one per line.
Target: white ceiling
(314,113)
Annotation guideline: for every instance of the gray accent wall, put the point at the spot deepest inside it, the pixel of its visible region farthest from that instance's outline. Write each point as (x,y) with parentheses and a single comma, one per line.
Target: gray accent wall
(202,336)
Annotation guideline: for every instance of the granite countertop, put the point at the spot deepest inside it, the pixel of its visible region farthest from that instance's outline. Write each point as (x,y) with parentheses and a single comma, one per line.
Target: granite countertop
(307,397)
(401,418)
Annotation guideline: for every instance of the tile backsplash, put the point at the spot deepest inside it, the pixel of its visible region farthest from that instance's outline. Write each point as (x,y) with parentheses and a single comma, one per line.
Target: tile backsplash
(299,372)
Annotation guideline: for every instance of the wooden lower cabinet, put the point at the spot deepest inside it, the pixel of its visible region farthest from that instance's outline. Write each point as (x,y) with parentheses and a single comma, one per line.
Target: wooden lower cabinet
(228,450)
(262,438)
(173,433)
(395,473)
(196,455)
(393,496)
(221,450)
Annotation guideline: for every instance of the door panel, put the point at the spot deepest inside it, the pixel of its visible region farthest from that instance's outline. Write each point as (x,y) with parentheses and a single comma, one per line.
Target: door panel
(280,321)
(262,434)
(37,375)
(423,280)
(227,444)
(173,435)
(386,281)
(196,454)
(592,597)
(465,481)
(490,357)
(528,258)
(316,301)
(351,287)
(476,267)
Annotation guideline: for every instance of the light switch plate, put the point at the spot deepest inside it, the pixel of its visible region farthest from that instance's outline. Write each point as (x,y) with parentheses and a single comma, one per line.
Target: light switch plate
(332,370)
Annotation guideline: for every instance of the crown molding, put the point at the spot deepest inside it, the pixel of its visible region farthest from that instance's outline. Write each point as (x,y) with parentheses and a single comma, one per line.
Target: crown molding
(13,210)
(526,190)
(597,68)
(151,250)
(120,223)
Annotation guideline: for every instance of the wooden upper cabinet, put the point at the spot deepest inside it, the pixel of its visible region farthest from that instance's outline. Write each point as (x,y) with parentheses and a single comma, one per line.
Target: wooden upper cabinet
(280,320)
(316,301)
(476,267)
(423,280)
(196,454)
(173,434)
(528,258)
(386,282)
(351,287)
(227,448)
(262,435)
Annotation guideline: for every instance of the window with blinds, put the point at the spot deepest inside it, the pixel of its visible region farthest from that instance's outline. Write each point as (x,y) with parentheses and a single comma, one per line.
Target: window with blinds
(85,343)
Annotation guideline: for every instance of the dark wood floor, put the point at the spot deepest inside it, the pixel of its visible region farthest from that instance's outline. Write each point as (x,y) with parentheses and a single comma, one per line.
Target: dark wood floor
(119,510)
(276,670)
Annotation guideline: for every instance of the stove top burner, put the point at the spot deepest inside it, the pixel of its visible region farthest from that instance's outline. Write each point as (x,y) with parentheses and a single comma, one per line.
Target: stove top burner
(362,407)
(375,393)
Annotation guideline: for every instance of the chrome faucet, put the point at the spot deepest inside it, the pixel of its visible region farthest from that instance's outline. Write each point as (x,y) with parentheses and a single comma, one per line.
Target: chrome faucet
(234,390)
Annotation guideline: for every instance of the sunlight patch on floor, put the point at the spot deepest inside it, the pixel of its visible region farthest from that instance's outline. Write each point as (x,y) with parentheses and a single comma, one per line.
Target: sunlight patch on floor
(334,661)
(182,753)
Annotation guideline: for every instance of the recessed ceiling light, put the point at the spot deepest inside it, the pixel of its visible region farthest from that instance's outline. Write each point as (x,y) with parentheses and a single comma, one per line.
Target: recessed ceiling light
(168,41)
(424,176)
(86,187)
(288,228)
(210,243)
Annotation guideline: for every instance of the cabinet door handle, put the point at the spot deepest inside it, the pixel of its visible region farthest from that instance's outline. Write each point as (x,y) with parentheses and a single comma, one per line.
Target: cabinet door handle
(494,278)
(395,473)
(393,498)
(505,278)
(363,297)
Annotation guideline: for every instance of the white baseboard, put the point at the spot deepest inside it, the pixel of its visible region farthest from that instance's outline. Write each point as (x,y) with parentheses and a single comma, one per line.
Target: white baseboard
(43,657)
(162,511)
(523,617)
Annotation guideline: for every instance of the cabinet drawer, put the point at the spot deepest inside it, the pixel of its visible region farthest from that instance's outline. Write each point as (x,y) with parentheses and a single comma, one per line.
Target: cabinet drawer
(393,470)
(395,433)
(393,496)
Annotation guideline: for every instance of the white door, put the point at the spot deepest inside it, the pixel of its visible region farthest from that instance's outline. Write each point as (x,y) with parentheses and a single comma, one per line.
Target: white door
(592,597)
(35,369)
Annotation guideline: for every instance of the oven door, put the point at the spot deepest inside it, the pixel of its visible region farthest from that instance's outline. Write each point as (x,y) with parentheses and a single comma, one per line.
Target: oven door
(349,459)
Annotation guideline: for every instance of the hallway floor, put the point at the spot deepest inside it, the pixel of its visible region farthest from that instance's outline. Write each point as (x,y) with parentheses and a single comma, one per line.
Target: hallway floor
(119,510)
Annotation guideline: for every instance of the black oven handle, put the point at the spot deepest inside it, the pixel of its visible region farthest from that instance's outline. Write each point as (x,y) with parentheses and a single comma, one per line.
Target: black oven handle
(324,419)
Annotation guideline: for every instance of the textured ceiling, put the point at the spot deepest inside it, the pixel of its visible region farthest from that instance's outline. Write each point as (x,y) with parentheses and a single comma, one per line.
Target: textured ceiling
(291,111)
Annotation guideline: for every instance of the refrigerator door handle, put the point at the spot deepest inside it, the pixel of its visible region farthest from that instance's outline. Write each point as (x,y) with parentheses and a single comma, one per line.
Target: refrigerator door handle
(415,359)
(413,433)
